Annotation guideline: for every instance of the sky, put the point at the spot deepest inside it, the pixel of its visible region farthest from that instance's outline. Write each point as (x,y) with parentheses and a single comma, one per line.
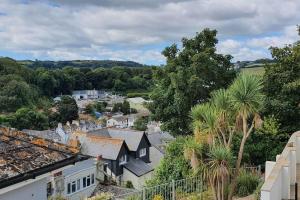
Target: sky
(139,30)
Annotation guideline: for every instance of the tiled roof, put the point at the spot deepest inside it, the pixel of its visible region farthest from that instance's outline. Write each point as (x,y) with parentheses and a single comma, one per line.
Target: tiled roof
(47,134)
(22,154)
(158,139)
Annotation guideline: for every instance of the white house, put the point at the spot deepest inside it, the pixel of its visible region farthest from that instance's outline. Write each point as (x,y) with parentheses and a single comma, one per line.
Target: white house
(33,168)
(121,121)
(88,94)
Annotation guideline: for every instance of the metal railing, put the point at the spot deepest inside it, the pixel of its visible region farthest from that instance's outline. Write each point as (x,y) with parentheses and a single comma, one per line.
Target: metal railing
(169,191)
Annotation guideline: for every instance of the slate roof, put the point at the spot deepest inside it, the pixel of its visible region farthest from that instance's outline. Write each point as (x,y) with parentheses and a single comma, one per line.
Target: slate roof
(158,140)
(131,137)
(47,134)
(24,156)
(95,145)
(138,167)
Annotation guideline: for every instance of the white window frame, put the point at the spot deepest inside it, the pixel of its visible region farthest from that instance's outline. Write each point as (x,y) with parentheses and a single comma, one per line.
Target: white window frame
(123,159)
(143,152)
(79,184)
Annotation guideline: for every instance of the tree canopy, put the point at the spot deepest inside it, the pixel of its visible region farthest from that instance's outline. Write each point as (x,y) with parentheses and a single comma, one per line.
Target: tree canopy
(188,78)
(282,86)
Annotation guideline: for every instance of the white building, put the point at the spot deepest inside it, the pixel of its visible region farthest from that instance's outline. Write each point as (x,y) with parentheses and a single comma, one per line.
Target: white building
(121,121)
(88,94)
(281,176)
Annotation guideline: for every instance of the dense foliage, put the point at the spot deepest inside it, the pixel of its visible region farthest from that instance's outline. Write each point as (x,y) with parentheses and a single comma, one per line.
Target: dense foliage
(247,183)
(80,64)
(282,86)
(22,86)
(173,166)
(187,79)
(141,124)
(67,109)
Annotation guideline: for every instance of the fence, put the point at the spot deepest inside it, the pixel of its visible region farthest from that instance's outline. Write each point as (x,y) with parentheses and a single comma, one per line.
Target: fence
(168,191)
(175,190)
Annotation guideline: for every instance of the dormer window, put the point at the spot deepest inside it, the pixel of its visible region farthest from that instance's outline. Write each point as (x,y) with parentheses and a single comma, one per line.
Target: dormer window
(123,159)
(143,152)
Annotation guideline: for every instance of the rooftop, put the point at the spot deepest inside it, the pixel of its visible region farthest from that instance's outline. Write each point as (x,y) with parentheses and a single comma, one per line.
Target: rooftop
(138,167)
(92,144)
(24,156)
(131,137)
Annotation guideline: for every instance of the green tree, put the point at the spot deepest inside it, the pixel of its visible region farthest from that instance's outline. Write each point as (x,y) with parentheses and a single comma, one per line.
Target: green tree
(187,79)
(140,124)
(228,112)
(27,118)
(282,86)
(173,166)
(67,109)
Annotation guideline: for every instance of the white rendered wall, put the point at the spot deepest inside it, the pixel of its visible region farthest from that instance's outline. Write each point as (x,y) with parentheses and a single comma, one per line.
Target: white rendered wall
(34,191)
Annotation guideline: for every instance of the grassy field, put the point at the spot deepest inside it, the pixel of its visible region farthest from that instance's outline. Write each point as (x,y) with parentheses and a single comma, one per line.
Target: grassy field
(259,70)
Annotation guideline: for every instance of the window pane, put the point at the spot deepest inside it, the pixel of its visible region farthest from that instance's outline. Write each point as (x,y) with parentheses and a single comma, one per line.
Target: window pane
(88,181)
(78,184)
(84,182)
(93,179)
(73,186)
(69,188)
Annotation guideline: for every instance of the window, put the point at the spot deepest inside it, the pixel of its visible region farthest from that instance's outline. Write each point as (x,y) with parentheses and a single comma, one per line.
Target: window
(88,180)
(84,182)
(49,189)
(78,184)
(123,159)
(143,152)
(73,186)
(93,178)
(69,188)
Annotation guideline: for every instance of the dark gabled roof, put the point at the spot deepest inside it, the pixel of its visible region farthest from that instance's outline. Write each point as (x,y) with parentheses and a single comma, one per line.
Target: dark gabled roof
(138,167)
(24,157)
(96,145)
(158,140)
(131,137)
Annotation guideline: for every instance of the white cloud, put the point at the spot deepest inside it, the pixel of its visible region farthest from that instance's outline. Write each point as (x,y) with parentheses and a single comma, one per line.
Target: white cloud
(71,29)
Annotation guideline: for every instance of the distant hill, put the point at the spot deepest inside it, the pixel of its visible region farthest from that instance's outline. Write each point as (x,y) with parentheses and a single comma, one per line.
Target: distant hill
(79,64)
(253,67)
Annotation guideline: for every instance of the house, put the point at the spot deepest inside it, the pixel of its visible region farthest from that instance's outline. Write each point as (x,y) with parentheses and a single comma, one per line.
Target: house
(88,94)
(33,168)
(125,153)
(159,141)
(121,121)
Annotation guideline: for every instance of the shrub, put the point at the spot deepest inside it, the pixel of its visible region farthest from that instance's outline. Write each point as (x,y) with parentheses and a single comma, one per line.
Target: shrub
(158,197)
(247,182)
(129,184)
(257,191)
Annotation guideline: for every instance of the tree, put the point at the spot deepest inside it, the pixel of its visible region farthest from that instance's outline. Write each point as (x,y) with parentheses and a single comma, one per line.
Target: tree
(26,118)
(173,166)
(282,86)
(122,107)
(247,100)
(187,79)
(140,124)
(229,112)
(67,109)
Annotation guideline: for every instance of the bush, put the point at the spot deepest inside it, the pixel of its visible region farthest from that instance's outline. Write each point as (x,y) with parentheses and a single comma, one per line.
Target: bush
(247,182)
(129,184)
(257,191)
(158,197)
(144,95)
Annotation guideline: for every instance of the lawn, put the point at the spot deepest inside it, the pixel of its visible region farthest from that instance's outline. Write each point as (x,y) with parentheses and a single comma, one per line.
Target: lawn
(259,70)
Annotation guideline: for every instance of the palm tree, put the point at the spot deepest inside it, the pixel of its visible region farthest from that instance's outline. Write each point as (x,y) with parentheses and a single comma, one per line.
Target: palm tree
(193,153)
(219,162)
(205,123)
(247,99)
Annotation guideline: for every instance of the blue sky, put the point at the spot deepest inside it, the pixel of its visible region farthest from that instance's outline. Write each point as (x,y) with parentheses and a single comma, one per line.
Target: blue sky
(139,30)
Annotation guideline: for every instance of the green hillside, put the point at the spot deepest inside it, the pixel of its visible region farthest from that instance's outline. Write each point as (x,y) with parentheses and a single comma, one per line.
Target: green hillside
(80,64)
